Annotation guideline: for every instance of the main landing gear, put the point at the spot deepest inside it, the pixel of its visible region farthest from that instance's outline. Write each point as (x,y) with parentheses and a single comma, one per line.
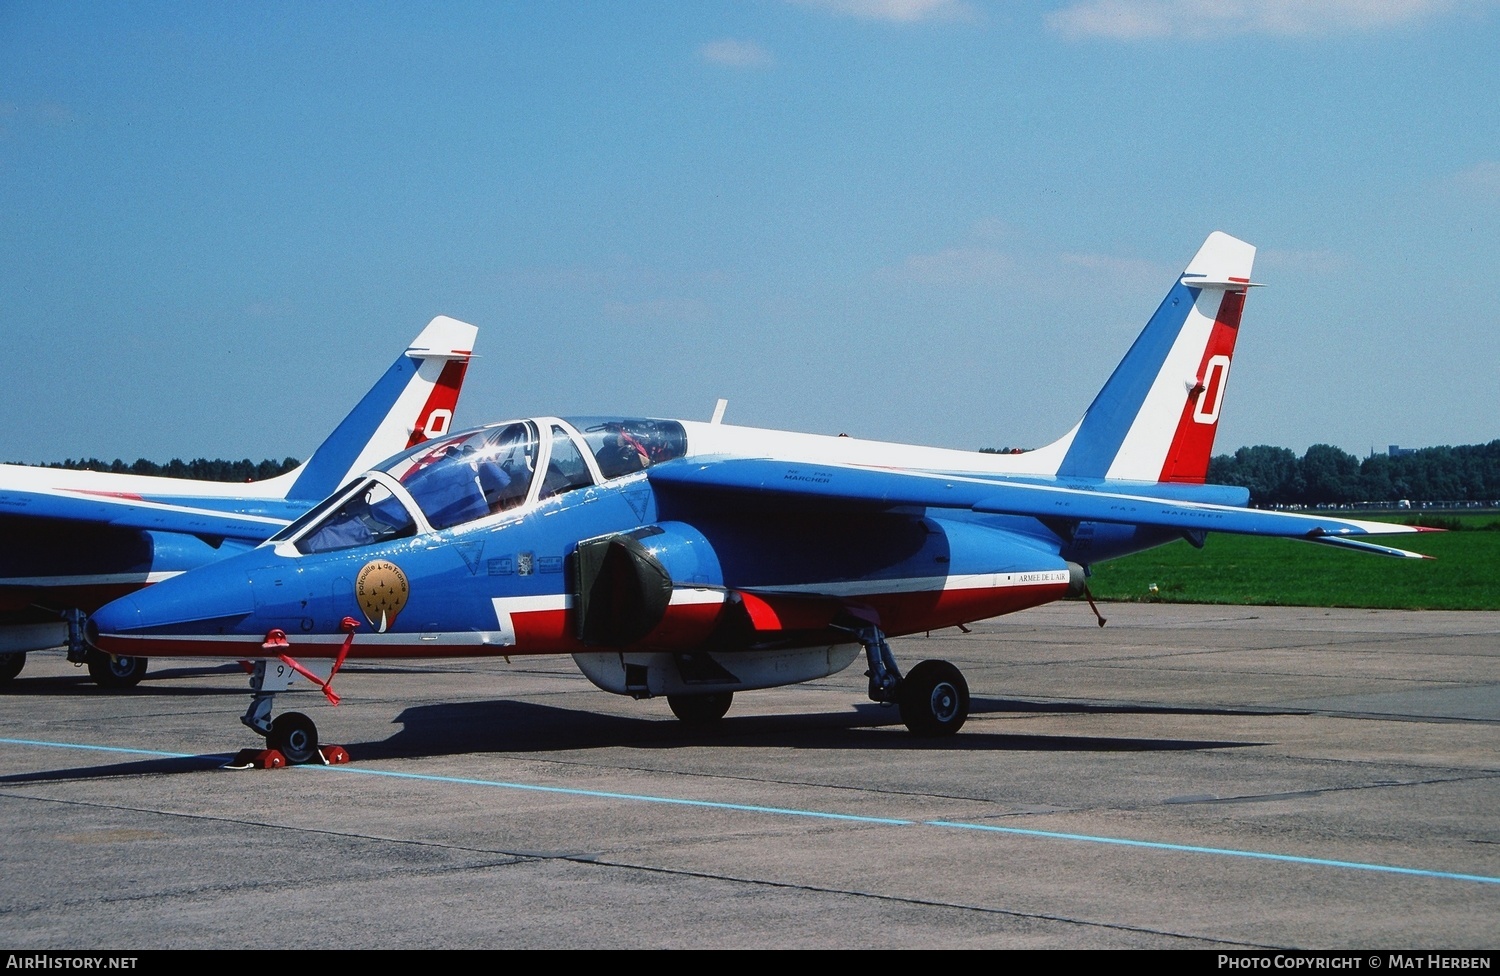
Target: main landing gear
(109,671)
(701,709)
(933,698)
(291,738)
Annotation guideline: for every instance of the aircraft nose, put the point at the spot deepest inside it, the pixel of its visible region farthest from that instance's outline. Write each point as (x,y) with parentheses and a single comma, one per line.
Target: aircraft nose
(190,614)
(114,618)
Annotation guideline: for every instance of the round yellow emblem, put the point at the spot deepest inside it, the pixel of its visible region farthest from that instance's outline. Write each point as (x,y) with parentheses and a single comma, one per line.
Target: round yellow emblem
(382,591)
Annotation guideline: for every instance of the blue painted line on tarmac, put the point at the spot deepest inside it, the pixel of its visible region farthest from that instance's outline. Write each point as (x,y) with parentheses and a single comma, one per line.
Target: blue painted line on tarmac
(816,814)
(88,748)
(1222,851)
(638,797)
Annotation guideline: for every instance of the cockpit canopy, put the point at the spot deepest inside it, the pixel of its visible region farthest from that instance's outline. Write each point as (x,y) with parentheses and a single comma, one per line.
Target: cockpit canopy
(471,475)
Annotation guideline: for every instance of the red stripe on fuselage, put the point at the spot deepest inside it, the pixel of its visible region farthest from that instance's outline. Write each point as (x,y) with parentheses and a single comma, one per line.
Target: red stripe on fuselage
(1193,443)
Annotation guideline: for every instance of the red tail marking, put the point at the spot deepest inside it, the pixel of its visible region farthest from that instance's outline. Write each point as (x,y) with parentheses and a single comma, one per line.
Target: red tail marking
(1193,443)
(437,412)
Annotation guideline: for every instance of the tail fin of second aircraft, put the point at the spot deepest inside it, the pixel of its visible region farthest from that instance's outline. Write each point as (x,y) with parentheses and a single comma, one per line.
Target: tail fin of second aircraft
(1156,417)
(413,401)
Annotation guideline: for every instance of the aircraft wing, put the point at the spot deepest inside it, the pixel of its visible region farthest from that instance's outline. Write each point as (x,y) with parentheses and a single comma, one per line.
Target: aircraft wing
(890,487)
(139,513)
(1046,501)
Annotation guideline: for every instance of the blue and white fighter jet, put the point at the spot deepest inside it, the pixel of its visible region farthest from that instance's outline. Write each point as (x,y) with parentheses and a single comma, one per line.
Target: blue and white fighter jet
(699,560)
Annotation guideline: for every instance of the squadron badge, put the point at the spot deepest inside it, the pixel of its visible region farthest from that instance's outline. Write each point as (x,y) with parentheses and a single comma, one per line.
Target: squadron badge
(382,591)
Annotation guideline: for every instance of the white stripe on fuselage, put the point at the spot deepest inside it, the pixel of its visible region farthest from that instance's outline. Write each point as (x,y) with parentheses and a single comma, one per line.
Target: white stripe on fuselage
(507,606)
(920,584)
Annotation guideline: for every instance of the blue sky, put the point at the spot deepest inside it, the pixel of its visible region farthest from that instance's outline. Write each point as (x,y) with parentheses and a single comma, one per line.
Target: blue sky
(938,221)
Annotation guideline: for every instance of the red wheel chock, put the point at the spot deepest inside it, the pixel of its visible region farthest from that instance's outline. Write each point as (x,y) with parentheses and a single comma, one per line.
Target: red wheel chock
(256,759)
(273,758)
(333,755)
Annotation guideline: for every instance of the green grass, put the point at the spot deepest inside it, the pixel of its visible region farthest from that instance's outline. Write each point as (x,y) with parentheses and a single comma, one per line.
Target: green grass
(1463,575)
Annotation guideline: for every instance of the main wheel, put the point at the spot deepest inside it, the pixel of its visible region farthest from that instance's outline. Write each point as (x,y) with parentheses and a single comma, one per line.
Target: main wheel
(116,672)
(701,709)
(934,699)
(294,736)
(11,665)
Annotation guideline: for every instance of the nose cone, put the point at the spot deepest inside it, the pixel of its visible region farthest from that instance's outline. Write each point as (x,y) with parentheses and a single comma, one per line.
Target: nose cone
(112,619)
(165,619)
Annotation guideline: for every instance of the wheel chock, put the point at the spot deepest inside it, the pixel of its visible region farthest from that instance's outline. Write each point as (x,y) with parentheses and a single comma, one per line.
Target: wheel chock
(275,759)
(257,759)
(333,755)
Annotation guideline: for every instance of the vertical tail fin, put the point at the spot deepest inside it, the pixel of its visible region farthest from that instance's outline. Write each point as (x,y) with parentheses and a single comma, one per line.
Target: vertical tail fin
(413,401)
(1156,418)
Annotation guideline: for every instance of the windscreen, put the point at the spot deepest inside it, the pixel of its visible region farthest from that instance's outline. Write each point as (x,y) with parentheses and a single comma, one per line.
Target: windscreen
(470,475)
(370,515)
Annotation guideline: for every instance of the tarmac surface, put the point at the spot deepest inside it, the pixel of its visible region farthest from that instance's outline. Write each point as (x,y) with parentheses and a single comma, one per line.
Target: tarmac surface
(1187,777)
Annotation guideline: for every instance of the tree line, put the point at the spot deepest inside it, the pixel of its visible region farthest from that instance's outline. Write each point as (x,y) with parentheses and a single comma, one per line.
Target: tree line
(1326,475)
(200,469)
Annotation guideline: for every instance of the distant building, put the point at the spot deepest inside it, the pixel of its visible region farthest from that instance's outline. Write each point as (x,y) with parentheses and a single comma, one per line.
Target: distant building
(1396,450)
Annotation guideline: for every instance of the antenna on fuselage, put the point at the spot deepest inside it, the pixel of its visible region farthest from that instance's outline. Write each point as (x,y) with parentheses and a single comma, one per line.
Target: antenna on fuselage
(719,410)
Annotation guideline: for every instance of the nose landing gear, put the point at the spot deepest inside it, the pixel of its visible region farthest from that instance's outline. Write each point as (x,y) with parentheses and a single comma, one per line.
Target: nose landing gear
(292,738)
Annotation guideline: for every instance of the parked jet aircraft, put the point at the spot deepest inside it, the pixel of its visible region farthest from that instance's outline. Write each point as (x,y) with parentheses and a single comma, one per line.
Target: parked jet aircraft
(699,560)
(71,541)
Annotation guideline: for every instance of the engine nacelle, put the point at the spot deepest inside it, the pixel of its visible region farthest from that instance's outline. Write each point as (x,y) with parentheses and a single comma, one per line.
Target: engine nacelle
(660,584)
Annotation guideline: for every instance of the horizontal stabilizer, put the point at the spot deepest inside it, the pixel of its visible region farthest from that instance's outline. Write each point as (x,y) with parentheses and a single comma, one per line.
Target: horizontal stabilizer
(1223,284)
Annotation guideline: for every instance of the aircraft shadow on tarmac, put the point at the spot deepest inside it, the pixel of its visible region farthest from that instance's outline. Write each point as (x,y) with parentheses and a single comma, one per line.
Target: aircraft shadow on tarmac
(504,726)
(140,767)
(168,682)
(521,727)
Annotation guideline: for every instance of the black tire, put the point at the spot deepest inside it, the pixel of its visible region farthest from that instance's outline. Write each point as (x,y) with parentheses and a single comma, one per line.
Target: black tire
(294,736)
(701,709)
(934,699)
(116,672)
(11,665)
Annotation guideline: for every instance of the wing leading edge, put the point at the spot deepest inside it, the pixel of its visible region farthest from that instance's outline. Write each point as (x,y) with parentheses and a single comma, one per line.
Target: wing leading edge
(1190,508)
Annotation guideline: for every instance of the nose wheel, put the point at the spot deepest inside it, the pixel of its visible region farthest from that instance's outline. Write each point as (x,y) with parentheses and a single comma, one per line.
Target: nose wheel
(294,736)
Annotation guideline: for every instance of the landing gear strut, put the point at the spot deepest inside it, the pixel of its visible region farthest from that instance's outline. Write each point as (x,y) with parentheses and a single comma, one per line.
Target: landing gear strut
(293,737)
(933,698)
